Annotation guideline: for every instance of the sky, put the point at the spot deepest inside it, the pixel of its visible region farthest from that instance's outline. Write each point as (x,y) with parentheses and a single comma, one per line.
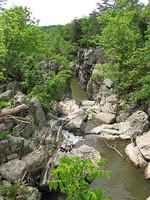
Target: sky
(53,12)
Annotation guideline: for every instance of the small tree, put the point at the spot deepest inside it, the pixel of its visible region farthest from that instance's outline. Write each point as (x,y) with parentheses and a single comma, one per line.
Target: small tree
(73,175)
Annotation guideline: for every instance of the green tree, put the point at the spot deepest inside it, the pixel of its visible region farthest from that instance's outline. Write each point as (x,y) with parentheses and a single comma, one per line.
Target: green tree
(70,177)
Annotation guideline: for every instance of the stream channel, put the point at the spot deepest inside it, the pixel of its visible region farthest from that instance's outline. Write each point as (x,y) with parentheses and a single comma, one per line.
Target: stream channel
(127,182)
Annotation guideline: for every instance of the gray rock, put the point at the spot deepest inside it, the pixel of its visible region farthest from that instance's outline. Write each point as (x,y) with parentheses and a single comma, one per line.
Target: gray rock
(83,151)
(102,129)
(67,106)
(106,118)
(87,103)
(25,130)
(4,150)
(19,98)
(143,143)
(135,156)
(6,95)
(35,159)
(108,82)
(15,144)
(136,124)
(75,120)
(13,170)
(38,113)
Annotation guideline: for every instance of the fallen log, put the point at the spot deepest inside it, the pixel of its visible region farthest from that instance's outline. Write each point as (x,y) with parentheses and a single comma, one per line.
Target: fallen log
(13,111)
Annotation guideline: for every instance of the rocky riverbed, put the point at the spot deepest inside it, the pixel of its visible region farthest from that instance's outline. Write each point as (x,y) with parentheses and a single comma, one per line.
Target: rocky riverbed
(34,140)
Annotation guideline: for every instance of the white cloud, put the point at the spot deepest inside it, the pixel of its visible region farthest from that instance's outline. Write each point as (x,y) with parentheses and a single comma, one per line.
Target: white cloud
(52,12)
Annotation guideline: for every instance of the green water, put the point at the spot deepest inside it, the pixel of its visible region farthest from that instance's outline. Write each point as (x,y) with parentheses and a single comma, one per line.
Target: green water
(127,182)
(77,93)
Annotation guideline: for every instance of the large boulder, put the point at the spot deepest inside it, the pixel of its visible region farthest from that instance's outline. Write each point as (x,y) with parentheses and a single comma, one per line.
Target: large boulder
(135,125)
(38,113)
(83,151)
(106,118)
(143,143)
(35,159)
(135,156)
(75,120)
(67,106)
(13,170)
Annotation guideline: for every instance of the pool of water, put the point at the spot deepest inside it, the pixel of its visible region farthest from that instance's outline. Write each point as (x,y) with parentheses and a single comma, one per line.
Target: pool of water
(127,182)
(77,93)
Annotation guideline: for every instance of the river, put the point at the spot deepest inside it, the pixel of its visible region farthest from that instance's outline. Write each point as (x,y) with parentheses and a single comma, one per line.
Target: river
(127,182)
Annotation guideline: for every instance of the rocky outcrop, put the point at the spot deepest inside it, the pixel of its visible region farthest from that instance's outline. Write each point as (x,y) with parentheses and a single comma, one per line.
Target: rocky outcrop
(87,58)
(13,170)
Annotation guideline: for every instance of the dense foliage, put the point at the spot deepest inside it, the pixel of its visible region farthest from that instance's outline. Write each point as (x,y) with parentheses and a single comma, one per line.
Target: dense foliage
(71,178)
(126,41)
(27,53)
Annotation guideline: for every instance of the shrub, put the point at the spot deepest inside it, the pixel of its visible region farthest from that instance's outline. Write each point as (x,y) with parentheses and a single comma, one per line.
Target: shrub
(73,175)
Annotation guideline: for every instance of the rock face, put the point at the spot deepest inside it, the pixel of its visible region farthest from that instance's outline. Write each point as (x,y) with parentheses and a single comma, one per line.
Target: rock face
(86,58)
(38,113)
(143,143)
(13,170)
